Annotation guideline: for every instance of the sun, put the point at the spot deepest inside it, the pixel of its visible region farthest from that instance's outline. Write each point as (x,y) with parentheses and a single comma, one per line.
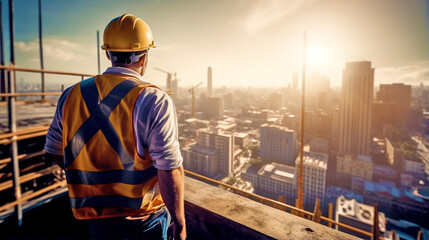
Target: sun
(318,55)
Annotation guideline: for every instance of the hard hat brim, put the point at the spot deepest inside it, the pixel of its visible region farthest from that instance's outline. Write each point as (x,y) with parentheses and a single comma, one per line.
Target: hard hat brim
(126,50)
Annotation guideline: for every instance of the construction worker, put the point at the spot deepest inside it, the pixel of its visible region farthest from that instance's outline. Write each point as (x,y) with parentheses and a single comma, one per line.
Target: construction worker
(116,138)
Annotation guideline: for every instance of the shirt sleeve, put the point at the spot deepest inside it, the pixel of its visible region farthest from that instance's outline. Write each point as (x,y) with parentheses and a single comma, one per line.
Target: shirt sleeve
(54,137)
(156,129)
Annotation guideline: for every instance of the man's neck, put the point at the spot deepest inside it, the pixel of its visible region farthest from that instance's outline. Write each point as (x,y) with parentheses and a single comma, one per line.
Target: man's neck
(135,69)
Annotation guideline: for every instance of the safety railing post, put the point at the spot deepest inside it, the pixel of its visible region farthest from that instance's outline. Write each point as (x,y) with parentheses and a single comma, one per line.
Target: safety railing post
(317,213)
(330,213)
(14,145)
(375,227)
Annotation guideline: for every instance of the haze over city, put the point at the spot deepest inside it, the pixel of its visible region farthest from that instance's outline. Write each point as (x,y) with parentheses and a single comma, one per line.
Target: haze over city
(248,43)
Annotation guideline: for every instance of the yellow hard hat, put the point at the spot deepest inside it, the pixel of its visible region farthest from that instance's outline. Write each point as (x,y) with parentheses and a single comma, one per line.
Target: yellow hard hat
(127,33)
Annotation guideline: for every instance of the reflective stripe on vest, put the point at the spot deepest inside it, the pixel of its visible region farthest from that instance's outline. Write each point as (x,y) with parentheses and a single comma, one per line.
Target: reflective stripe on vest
(119,183)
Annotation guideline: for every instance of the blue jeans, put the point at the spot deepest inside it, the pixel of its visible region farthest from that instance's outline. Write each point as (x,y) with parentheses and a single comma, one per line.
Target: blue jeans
(155,227)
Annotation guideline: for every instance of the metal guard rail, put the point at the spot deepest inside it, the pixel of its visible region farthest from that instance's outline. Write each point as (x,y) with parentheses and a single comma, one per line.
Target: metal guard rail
(20,69)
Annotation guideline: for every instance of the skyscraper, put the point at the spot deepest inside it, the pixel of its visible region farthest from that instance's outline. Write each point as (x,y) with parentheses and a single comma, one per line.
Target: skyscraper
(209,82)
(222,142)
(397,96)
(356,108)
(278,144)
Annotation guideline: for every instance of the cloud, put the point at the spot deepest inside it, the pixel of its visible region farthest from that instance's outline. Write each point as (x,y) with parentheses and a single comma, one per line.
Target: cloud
(59,54)
(53,48)
(410,74)
(261,14)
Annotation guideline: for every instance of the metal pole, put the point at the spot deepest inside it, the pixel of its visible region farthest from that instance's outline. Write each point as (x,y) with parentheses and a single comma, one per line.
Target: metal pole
(41,48)
(375,227)
(98,50)
(12,116)
(300,200)
(2,75)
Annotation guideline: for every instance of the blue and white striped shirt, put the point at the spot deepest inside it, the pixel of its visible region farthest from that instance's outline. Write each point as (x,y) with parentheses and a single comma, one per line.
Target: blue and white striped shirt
(155,125)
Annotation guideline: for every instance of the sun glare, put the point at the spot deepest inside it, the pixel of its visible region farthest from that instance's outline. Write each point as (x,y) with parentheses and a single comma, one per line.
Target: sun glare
(317,56)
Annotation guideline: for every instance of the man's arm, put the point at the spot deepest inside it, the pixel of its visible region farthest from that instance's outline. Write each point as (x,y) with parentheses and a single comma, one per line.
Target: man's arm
(172,187)
(57,158)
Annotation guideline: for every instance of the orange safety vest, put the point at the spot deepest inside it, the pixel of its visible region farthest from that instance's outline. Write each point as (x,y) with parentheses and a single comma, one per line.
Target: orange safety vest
(106,177)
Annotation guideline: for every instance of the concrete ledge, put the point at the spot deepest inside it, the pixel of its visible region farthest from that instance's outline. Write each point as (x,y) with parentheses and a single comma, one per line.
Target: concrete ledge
(213,213)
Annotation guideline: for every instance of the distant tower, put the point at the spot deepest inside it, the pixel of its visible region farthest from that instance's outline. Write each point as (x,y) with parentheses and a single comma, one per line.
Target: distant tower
(209,82)
(356,108)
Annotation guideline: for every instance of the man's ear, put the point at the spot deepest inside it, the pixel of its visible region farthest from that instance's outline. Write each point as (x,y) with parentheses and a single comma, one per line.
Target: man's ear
(107,55)
(143,60)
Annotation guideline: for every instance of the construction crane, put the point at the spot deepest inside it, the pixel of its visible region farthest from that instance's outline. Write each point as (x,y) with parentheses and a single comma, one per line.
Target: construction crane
(300,199)
(192,91)
(169,79)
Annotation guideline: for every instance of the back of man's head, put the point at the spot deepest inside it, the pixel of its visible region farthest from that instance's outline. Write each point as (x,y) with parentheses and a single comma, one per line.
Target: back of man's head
(124,59)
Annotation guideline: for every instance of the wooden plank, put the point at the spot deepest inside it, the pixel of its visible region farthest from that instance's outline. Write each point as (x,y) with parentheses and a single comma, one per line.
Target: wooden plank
(33,195)
(28,177)
(23,137)
(24,131)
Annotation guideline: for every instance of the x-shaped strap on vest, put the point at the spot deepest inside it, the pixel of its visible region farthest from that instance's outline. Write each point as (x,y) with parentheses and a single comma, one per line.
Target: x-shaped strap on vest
(99,120)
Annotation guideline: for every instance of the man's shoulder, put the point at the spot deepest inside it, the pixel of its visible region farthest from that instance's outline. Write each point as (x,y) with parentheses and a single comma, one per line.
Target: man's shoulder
(152,91)
(65,94)
(152,98)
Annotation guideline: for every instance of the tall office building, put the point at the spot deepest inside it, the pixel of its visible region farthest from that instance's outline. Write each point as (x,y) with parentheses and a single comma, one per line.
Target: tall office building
(272,180)
(201,159)
(315,166)
(356,108)
(397,98)
(209,82)
(222,142)
(278,144)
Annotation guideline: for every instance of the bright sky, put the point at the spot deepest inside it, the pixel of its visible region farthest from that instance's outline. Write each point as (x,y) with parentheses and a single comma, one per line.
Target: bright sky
(246,42)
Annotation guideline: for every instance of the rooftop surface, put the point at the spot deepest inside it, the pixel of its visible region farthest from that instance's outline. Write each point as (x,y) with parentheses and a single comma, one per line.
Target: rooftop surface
(278,171)
(314,159)
(254,220)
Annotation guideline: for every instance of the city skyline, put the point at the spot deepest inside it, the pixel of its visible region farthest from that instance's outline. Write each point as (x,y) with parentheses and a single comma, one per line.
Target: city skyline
(246,43)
